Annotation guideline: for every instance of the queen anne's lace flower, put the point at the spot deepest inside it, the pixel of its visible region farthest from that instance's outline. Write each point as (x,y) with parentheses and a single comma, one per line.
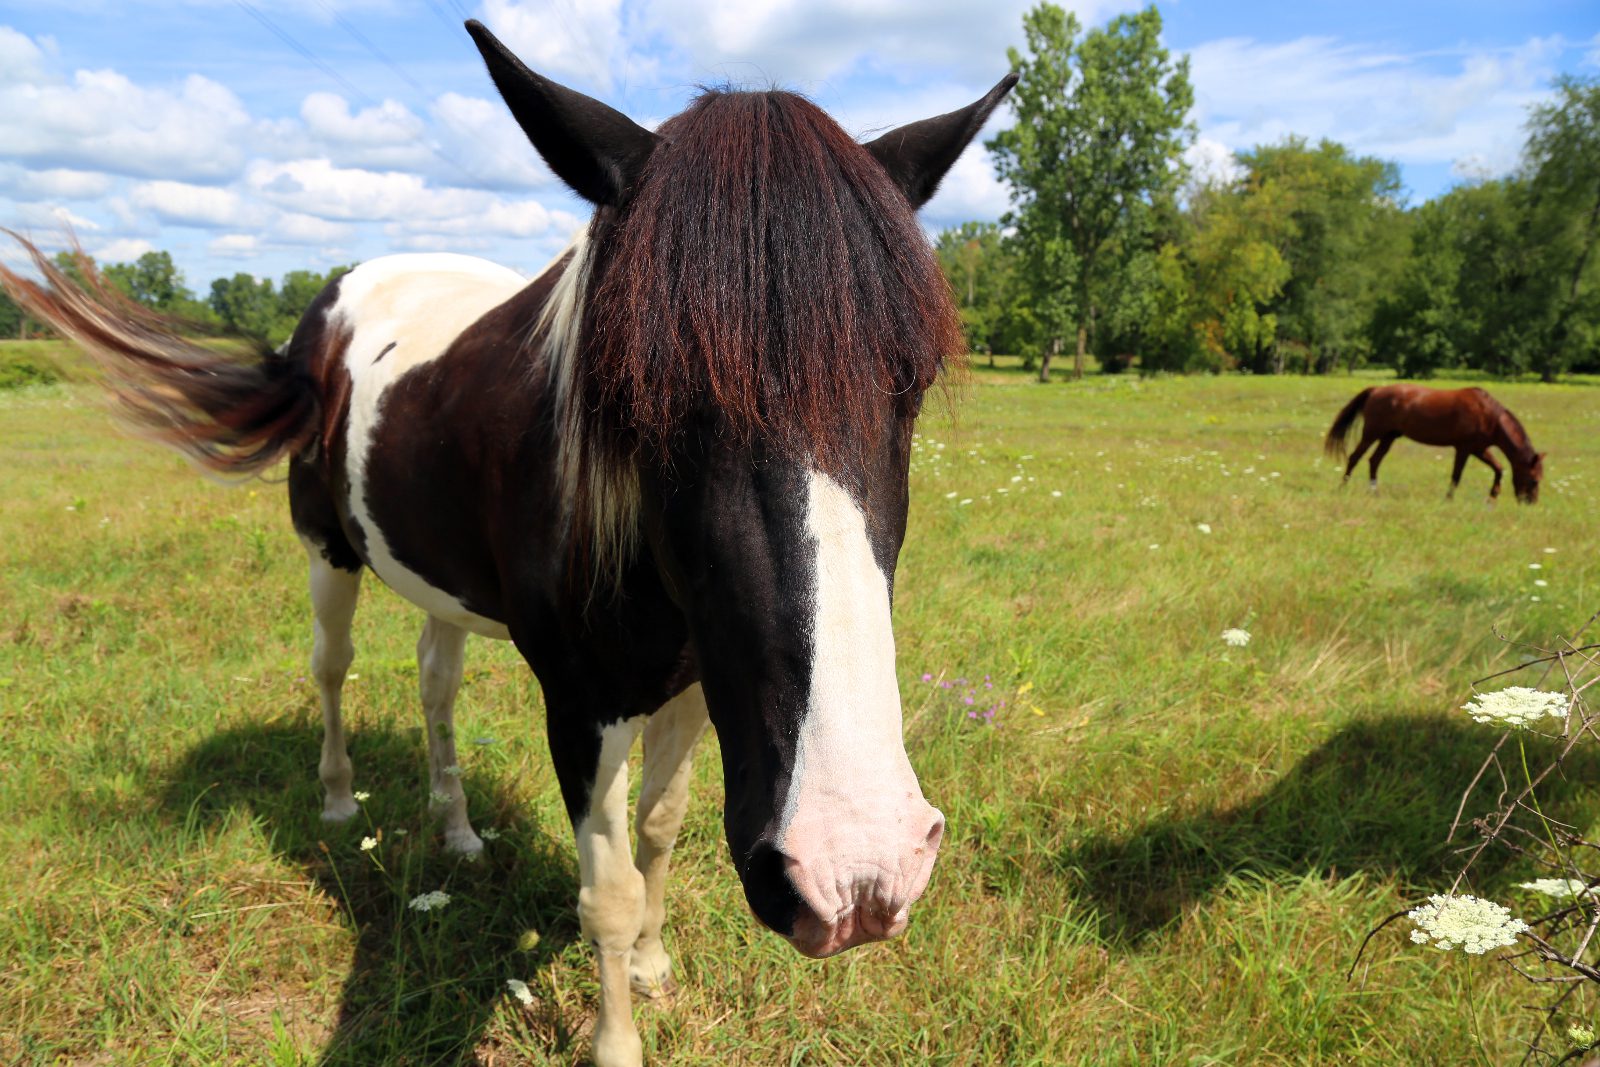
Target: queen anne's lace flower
(1236,637)
(362,796)
(520,990)
(1556,887)
(368,844)
(1447,922)
(1517,706)
(1580,1035)
(429,901)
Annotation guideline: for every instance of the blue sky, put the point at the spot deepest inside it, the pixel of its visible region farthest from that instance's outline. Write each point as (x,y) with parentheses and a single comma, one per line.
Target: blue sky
(266,135)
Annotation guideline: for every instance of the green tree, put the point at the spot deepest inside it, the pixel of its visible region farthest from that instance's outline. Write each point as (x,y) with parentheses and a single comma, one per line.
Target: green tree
(1100,133)
(980,264)
(1561,292)
(1336,222)
(246,305)
(152,280)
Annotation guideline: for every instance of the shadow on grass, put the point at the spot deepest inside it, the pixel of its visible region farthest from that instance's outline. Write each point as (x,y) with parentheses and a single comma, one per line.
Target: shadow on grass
(421,987)
(1377,796)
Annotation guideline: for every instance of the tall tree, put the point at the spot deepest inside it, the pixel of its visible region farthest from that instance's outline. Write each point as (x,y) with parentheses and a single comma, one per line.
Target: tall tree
(1337,226)
(1100,133)
(153,280)
(1562,160)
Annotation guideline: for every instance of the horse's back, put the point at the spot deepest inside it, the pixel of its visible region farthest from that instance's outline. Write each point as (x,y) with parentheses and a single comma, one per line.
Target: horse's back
(1444,417)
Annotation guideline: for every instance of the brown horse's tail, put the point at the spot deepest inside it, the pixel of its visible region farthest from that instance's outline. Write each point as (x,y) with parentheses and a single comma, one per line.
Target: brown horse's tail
(1334,443)
(234,407)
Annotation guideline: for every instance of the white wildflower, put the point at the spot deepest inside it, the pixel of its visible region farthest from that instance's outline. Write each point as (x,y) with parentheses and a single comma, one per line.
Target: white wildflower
(1517,706)
(429,901)
(1154,547)
(965,502)
(438,797)
(1536,566)
(489,834)
(1465,922)
(1549,551)
(1055,492)
(368,844)
(1580,1035)
(483,741)
(1540,582)
(1203,527)
(520,990)
(951,495)
(400,831)
(454,771)
(1557,887)
(1236,637)
(362,796)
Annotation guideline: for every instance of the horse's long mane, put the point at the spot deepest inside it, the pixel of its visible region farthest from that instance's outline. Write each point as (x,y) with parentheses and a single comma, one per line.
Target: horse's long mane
(765,272)
(1518,435)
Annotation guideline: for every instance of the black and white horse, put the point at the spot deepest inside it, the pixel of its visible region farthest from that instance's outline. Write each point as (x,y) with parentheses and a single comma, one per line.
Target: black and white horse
(672,469)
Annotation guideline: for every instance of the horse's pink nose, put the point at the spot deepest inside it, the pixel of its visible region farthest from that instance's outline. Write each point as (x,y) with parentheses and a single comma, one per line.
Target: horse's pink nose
(863,893)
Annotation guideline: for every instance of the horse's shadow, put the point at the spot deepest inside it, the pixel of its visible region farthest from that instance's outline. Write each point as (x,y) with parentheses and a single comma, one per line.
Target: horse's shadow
(1378,796)
(421,986)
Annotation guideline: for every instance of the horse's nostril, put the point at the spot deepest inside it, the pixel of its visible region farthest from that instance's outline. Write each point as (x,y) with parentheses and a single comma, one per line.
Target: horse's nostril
(935,833)
(768,889)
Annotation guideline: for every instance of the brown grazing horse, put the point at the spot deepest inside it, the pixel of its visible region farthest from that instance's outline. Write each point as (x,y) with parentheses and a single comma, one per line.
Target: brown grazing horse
(1468,420)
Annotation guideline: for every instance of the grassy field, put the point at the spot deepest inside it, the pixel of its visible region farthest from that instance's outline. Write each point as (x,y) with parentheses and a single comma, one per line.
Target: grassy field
(1160,849)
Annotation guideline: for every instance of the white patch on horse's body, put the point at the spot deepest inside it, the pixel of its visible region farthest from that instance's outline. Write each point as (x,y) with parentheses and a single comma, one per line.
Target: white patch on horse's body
(611,895)
(407,310)
(858,836)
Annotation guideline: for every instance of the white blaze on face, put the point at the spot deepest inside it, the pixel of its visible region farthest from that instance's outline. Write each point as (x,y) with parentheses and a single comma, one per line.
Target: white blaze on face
(859,837)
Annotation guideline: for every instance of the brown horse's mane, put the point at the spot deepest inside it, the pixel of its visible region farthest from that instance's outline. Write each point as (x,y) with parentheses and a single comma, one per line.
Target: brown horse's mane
(1515,434)
(765,272)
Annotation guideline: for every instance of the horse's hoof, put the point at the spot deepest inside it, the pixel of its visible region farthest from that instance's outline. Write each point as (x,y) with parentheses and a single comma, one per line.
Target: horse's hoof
(340,810)
(650,973)
(463,843)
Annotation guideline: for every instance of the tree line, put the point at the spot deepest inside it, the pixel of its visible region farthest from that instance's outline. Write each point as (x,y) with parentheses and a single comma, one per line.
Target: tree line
(242,304)
(1307,258)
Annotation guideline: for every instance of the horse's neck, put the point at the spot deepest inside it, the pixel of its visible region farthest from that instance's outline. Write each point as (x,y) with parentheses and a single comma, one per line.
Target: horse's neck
(1513,440)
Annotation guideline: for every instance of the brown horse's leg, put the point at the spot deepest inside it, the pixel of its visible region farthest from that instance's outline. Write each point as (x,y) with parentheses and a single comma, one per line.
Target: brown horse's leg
(1377,458)
(1462,456)
(1355,457)
(1494,465)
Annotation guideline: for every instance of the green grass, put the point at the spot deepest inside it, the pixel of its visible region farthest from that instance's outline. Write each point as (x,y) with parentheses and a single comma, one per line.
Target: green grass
(25,363)
(1164,850)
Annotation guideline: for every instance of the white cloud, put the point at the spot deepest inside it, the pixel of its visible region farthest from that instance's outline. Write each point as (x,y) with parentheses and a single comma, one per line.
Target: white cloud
(1212,163)
(21,60)
(1394,105)
(52,184)
(123,250)
(328,116)
(307,230)
(234,246)
(102,121)
(576,40)
(803,42)
(196,205)
(483,138)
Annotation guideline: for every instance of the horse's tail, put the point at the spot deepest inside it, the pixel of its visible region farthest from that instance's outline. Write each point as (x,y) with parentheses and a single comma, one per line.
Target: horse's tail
(235,407)
(1334,443)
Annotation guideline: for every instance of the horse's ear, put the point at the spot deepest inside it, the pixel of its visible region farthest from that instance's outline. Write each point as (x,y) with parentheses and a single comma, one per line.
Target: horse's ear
(917,156)
(596,149)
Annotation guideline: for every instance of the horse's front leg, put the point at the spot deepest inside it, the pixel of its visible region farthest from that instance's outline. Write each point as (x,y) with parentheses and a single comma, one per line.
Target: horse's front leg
(593,769)
(669,741)
(1494,490)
